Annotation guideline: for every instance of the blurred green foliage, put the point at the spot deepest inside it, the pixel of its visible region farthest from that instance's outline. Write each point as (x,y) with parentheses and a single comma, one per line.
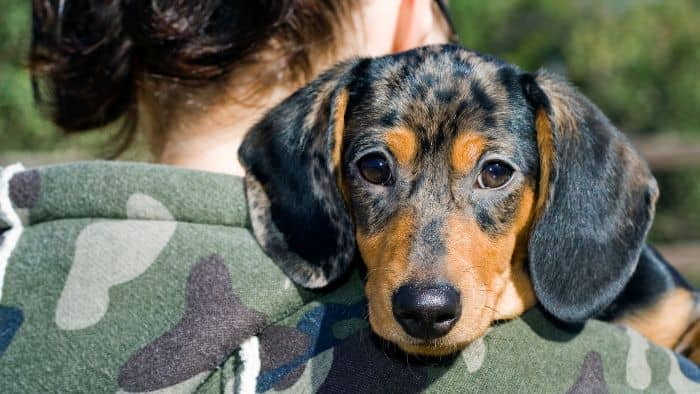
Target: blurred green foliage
(678,209)
(22,126)
(639,60)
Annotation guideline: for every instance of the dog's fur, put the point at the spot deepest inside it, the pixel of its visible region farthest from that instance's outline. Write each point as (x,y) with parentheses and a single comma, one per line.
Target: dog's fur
(567,231)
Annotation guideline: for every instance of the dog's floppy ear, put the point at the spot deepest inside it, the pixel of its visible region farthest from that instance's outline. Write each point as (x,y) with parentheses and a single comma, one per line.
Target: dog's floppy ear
(595,203)
(291,158)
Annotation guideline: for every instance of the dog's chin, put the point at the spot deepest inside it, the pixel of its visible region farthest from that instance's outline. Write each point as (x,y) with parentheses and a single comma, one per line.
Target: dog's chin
(431,348)
(438,347)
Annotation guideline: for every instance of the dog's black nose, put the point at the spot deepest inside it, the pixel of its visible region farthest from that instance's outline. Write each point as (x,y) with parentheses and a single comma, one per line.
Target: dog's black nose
(426,312)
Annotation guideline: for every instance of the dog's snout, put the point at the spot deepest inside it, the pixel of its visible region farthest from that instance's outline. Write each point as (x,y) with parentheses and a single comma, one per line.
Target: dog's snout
(426,312)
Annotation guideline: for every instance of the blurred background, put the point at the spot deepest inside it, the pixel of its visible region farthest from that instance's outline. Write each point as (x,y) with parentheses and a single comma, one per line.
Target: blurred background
(639,60)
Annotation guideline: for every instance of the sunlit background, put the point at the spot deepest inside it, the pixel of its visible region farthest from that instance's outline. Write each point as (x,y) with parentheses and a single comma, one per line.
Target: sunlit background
(639,60)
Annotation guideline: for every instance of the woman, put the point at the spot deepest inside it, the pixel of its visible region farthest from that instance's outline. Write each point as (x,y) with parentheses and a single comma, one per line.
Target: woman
(194,76)
(137,278)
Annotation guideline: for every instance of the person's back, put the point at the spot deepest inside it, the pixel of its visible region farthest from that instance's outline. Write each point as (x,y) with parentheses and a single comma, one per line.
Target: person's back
(135,278)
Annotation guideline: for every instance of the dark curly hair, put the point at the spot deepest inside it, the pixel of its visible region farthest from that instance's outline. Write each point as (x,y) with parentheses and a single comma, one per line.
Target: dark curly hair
(88,57)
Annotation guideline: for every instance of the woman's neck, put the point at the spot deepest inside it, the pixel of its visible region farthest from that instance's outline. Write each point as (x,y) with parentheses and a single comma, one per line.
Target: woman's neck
(211,142)
(203,146)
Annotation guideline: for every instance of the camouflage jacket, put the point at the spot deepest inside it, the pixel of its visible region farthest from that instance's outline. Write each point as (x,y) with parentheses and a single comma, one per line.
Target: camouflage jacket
(120,277)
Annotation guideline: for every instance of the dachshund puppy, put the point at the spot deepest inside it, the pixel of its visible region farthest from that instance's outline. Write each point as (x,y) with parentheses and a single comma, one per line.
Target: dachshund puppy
(472,191)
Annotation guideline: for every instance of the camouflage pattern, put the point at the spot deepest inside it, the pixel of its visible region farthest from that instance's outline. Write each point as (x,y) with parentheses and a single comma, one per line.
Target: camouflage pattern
(142,278)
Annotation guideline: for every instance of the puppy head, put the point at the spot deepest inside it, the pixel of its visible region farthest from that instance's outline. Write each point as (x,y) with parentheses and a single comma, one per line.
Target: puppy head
(452,174)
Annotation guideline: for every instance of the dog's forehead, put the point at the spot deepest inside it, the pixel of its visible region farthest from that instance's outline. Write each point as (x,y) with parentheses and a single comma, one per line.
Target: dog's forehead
(441,92)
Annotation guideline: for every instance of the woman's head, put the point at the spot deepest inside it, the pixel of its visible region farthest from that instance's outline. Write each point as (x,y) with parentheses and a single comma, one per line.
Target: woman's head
(160,63)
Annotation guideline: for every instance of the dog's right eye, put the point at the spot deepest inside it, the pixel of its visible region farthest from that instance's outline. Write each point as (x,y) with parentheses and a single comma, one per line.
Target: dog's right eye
(375,168)
(494,175)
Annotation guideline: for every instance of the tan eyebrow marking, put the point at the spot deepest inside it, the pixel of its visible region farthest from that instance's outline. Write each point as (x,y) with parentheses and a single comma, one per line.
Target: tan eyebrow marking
(466,150)
(403,144)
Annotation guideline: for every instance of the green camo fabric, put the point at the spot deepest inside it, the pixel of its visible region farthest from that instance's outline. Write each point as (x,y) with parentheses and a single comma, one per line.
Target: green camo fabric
(128,278)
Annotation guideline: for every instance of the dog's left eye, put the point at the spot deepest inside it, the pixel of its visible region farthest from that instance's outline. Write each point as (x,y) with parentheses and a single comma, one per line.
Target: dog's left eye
(375,168)
(494,175)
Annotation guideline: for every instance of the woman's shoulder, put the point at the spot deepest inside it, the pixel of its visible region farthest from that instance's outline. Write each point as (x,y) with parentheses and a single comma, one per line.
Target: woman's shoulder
(149,275)
(103,258)
(104,189)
